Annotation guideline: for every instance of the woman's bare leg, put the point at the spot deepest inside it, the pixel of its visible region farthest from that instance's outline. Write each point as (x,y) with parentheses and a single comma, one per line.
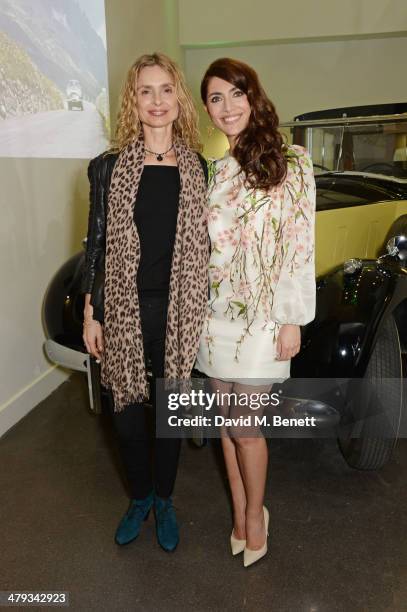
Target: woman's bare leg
(232,467)
(252,457)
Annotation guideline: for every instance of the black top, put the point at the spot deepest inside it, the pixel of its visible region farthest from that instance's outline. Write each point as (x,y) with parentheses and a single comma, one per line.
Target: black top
(155,215)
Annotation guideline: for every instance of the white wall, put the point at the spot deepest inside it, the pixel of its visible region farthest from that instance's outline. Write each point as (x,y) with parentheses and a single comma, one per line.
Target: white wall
(241,21)
(134,27)
(44,207)
(309,76)
(309,55)
(43,210)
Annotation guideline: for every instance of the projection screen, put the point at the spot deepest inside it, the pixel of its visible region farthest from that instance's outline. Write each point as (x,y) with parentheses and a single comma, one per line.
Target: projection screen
(53,78)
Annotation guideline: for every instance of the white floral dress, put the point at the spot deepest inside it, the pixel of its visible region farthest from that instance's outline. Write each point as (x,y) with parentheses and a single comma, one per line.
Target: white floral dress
(261,272)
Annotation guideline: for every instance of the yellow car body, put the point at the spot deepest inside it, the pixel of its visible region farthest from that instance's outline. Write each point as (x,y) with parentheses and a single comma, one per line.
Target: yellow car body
(354,232)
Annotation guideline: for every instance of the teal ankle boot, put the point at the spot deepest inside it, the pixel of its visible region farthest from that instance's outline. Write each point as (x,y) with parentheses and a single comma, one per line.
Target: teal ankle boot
(130,525)
(166,524)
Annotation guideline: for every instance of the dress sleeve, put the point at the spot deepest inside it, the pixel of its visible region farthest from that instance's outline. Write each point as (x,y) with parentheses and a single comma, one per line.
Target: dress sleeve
(294,296)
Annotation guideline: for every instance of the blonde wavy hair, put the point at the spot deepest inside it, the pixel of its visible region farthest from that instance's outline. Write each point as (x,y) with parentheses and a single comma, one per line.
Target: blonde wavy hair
(128,123)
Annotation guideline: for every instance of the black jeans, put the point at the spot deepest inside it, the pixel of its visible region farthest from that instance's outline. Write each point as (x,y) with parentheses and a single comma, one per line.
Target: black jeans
(150,463)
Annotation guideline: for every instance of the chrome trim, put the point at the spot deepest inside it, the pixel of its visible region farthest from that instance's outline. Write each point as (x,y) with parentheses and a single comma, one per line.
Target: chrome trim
(72,360)
(66,357)
(393,245)
(364,174)
(340,121)
(324,414)
(350,266)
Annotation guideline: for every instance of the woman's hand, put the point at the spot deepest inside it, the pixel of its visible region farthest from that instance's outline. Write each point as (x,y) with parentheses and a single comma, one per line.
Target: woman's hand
(92,331)
(288,342)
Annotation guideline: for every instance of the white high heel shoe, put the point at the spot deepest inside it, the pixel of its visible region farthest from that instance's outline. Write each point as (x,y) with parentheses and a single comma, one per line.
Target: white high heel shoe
(251,556)
(236,545)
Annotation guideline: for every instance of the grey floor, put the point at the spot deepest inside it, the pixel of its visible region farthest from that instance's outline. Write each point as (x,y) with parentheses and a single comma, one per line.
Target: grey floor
(338,536)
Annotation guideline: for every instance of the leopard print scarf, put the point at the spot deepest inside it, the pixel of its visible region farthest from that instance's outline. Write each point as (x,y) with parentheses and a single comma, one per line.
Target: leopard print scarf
(123,365)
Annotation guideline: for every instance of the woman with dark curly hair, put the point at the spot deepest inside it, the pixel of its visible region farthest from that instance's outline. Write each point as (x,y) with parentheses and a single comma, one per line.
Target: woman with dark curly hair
(147,253)
(262,278)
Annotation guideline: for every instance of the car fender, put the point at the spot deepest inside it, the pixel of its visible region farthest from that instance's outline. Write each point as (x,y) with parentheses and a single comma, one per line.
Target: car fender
(398,228)
(350,310)
(64,303)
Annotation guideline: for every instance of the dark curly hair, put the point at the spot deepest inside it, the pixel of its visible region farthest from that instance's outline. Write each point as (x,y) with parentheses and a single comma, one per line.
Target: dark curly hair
(259,148)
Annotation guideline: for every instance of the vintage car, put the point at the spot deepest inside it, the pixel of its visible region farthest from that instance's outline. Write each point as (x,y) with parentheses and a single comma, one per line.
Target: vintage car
(74,95)
(348,374)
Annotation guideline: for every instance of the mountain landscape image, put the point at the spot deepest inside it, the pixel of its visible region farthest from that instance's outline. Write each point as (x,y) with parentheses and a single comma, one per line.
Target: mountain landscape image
(53,77)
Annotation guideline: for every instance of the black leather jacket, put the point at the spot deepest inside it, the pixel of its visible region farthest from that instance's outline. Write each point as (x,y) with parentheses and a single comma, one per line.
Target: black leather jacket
(100,171)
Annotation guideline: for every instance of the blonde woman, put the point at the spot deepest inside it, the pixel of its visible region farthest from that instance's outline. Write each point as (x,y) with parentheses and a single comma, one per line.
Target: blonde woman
(148,234)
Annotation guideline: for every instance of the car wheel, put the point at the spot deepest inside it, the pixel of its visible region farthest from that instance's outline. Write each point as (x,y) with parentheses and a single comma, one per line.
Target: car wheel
(375,406)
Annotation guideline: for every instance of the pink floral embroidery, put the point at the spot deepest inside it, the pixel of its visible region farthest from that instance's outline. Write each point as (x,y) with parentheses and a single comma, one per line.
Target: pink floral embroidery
(256,237)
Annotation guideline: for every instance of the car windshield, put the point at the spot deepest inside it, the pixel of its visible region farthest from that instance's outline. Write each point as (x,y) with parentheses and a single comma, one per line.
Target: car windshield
(374,148)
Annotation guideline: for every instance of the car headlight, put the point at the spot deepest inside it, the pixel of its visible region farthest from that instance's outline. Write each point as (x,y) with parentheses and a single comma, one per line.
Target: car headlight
(352,265)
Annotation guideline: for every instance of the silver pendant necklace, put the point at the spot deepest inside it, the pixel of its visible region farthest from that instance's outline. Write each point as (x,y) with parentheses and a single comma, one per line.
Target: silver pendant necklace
(159,156)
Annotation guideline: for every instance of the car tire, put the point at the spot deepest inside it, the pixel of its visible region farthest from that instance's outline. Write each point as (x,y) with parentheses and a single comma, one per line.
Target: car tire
(369,441)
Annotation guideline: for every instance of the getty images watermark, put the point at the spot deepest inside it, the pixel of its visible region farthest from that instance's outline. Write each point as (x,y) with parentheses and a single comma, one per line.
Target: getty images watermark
(296,408)
(235,405)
